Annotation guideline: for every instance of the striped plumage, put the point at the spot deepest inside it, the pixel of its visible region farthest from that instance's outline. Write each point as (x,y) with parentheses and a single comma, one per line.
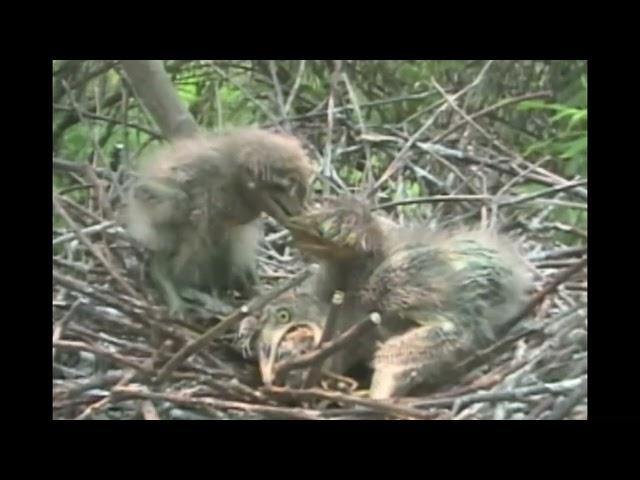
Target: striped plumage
(441,296)
(440,299)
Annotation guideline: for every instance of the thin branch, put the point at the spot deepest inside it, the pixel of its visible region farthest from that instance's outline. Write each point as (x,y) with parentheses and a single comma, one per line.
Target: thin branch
(328,349)
(401,157)
(294,89)
(327,334)
(62,324)
(83,239)
(387,408)
(435,199)
(231,320)
(94,116)
(123,393)
(542,193)
(565,407)
(496,106)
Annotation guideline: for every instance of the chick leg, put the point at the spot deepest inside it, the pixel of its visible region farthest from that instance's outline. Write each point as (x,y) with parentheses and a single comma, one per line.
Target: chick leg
(160,274)
(211,303)
(425,354)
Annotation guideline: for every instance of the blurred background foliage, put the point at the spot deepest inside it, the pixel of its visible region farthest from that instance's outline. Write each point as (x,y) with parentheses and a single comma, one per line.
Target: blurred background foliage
(373,107)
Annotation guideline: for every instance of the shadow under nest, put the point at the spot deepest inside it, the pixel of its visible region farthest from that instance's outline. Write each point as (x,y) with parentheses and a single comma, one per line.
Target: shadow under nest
(112,340)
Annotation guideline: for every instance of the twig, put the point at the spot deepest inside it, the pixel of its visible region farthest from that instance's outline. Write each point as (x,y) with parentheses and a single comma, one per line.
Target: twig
(327,333)
(92,409)
(366,175)
(294,89)
(468,119)
(62,324)
(76,285)
(279,97)
(328,349)
(152,133)
(435,199)
(375,405)
(496,106)
(114,274)
(459,403)
(108,225)
(400,158)
(100,380)
(266,111)
(559,188)
(551,287)
(96,350)
(123,393)
(228,322)
(565,407)
(327,158)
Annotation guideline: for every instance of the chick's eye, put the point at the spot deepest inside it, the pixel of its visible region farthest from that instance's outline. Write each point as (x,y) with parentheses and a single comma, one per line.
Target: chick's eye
(283,316)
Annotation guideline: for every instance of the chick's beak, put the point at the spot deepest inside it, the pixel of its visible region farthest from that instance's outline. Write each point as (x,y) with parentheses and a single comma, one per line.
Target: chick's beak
(273,350)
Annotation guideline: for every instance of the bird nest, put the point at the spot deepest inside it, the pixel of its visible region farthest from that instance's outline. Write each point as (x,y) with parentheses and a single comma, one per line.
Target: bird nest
(117,355)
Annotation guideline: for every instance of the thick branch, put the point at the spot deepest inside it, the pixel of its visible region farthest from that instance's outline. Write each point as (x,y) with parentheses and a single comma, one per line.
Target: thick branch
(154,88)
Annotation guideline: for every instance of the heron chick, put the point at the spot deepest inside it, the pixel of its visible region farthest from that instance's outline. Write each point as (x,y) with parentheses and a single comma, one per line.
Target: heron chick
(197,203)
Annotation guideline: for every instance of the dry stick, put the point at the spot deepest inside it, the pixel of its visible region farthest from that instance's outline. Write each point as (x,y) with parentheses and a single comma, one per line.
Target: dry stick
(276,122)
(279,97)
(105,208)
(402,155)
(62,324)
(77,267)
(80,209)
(565,407)
(83,288)
(471,121)
(496,106)
(294,90)
(559,253)
(87,231)
(327,333)
(152,133)
(123,393)
(100,380)
(96,350)
(75,188)
(229,321)
(551,287)
(435,199)
(119,304)
(521,175)
(341,342)
(510,183)
(375,405)
(116,276)
(74,167)
(465,400)
(317,113)
(509,169)
(559,188)
(561,203)
(83,121)
(327,160)
(91,409)
(366,176)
